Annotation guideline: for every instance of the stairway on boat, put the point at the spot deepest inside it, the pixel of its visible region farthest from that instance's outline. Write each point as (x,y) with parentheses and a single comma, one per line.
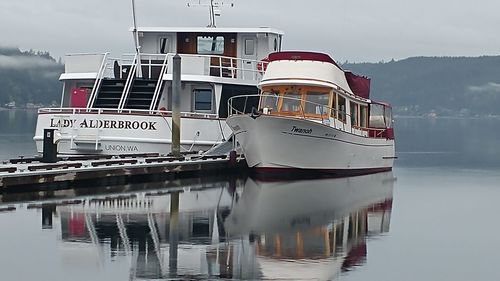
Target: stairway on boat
(109,93)
(140,96)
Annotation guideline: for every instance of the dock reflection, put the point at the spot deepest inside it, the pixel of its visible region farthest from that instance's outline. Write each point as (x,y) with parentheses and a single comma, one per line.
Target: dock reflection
(235,228)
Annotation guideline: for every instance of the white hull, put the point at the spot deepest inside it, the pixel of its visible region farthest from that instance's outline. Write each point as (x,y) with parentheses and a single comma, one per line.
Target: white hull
(274,142)
(93,133)
(279,207)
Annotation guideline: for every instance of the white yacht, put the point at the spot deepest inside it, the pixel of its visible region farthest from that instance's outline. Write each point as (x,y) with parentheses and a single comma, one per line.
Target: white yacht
(313,116)
(122,105)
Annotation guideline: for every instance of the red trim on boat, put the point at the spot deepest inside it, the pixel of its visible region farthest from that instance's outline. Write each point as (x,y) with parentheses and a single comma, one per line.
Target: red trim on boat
(360,85)
(301,55)
(382,206)
(355,257)
(387,133)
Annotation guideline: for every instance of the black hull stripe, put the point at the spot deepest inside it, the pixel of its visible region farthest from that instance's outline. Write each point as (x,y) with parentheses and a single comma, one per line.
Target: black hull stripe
(278,173)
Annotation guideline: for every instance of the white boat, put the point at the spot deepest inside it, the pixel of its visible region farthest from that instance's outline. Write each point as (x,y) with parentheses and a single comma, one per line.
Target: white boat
(313,116)
(122,105)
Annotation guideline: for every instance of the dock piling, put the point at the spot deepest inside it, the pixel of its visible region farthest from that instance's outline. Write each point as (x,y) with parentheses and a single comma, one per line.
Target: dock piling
(176,106)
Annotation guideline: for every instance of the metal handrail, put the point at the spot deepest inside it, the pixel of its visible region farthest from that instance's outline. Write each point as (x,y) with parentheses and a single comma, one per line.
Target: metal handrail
(98,80)
(233,61)
(159,84)
(128,84)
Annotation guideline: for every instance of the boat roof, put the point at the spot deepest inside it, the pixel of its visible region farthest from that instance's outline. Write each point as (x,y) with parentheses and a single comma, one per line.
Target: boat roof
(210,30)
(301,55)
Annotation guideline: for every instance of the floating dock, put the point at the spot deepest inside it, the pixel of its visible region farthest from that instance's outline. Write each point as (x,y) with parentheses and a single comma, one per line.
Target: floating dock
(31,174)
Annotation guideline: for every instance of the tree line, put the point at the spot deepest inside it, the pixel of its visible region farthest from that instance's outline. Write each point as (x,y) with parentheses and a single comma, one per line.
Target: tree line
(446,86)
(442,86)
(29,77)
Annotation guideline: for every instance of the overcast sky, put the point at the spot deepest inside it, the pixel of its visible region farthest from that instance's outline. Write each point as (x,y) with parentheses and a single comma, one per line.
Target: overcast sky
(353,30)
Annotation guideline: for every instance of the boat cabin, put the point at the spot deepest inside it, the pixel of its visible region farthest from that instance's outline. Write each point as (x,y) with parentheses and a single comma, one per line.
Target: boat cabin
(320,90)
(217,63)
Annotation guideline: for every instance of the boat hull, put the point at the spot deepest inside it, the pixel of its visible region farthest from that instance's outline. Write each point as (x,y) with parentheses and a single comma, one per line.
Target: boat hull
(285,144)
(99,133)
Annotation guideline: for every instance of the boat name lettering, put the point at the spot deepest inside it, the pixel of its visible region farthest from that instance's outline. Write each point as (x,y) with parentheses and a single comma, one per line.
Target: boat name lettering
(120,147)
(301,130)
(104,124)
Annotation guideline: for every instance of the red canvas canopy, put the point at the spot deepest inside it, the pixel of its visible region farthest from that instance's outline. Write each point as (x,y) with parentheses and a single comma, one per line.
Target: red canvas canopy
(301,55)
(360,85)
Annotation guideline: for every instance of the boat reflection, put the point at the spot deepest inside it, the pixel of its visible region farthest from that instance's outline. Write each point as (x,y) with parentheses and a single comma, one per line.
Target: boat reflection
(311,229)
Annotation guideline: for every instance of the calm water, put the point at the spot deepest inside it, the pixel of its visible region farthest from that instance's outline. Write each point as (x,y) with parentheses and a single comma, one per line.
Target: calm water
(433,218)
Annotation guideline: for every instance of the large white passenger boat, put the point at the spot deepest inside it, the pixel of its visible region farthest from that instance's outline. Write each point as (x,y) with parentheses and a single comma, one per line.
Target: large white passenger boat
(122,105)
(313,115)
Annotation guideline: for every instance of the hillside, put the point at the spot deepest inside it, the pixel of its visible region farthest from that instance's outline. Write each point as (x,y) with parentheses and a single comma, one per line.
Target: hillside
(445,86)
(460,86)
(29,77)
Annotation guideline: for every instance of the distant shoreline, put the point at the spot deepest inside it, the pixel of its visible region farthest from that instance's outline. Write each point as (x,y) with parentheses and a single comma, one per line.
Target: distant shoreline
(396,116)
(446,117)
(19,108)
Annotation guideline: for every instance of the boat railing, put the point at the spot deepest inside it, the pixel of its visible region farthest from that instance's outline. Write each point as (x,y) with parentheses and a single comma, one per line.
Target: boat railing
(115,111)
(128,84)
(327,115)
(97,83)
(212,65)
(151,63)
(159,84)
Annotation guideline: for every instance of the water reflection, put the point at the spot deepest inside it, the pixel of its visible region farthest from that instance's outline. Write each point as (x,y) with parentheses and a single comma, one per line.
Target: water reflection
(238,228)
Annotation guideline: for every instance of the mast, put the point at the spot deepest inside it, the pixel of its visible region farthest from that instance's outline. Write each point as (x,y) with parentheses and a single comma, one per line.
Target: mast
(136,42)
(214,9)
(212,14)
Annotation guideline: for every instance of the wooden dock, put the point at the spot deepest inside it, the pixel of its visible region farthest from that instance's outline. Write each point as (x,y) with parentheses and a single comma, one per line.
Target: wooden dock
(30,174)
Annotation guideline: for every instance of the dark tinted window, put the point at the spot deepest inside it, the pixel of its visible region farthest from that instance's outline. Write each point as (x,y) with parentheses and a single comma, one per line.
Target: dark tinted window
(203,99)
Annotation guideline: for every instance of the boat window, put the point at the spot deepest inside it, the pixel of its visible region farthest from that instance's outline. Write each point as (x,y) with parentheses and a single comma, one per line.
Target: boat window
(341,109)
(269,102)
(354,114)
(275,44)
(388,116)
(363,116)
(377,116)
(203,100)
(249,47)
(163,45)
(316,102)
(291,102)
(333,113)
(210,45)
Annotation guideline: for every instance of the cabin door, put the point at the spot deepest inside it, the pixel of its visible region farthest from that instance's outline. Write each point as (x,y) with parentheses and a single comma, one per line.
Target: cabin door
(248,51)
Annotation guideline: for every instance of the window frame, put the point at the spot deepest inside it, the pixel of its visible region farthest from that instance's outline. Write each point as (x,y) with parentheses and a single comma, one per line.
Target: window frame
(165,49)
(354,113)
(194,103)
(213,38)
(341,113)
(245,51)
(302,91)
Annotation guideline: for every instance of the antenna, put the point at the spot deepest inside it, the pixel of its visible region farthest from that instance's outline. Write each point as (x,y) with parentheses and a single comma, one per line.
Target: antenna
(136,41)
(214,8)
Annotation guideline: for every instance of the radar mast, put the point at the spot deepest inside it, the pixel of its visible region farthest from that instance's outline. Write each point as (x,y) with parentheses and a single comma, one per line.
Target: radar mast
(214,8)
